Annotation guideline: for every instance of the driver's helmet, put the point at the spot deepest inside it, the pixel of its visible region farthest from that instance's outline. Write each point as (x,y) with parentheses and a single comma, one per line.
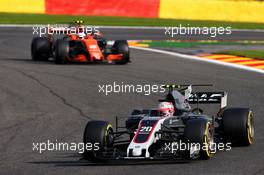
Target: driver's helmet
(166,109)
(80,29)
(81,35)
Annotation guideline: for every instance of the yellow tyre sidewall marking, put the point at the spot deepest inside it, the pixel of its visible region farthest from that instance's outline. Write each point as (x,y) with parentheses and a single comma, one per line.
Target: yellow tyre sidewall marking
(109,126)
(250,129)
(206,133)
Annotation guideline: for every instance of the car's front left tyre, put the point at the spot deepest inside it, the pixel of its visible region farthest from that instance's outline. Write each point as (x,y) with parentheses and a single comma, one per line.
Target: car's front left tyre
(121,47)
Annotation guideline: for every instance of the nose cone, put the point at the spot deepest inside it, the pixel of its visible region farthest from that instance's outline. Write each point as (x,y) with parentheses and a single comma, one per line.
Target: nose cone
(137,151)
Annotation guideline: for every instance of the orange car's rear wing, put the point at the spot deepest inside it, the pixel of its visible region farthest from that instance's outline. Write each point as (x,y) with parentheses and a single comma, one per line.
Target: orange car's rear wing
(66,30)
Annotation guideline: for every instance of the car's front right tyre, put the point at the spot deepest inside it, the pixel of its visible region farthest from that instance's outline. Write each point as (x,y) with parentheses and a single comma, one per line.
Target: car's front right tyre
(100,135)
(40,49)
(200,132)
(62,48)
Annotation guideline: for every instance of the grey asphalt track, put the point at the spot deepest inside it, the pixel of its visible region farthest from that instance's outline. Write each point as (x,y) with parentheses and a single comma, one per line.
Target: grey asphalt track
(41,101)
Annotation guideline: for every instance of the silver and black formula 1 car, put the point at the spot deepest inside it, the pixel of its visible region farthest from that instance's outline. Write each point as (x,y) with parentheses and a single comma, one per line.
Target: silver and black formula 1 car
(154,137)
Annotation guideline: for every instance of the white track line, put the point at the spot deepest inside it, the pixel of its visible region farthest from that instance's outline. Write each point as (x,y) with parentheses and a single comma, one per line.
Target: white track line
(190,57)
(119,27)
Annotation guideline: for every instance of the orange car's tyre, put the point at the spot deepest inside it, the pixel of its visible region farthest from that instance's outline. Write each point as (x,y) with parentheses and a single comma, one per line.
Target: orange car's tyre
(41,49)
(62,48)
(238,126)
(121,47)
(99,134)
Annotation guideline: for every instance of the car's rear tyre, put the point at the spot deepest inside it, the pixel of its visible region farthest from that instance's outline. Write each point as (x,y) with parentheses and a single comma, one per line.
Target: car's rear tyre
(40,49)
(121,47)
(238,126)
(200,131)
(98,133)
(62,48)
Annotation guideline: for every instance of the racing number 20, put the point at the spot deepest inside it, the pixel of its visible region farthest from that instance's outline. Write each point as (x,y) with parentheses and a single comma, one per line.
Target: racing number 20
(145,128)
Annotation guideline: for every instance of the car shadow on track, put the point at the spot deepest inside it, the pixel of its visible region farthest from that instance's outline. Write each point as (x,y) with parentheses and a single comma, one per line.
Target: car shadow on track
(82,162)
(50,62)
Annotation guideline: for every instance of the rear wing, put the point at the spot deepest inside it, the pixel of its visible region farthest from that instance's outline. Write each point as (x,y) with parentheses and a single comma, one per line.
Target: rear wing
(67,30)
(74,28)
(208,98)
(59,30)
(200,97)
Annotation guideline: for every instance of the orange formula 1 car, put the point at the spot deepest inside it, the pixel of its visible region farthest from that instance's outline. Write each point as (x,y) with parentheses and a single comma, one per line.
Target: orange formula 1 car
(81,47)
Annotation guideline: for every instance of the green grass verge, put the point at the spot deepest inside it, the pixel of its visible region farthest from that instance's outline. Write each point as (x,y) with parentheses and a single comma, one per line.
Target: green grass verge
(258,54)
(164,44)
(11,18)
